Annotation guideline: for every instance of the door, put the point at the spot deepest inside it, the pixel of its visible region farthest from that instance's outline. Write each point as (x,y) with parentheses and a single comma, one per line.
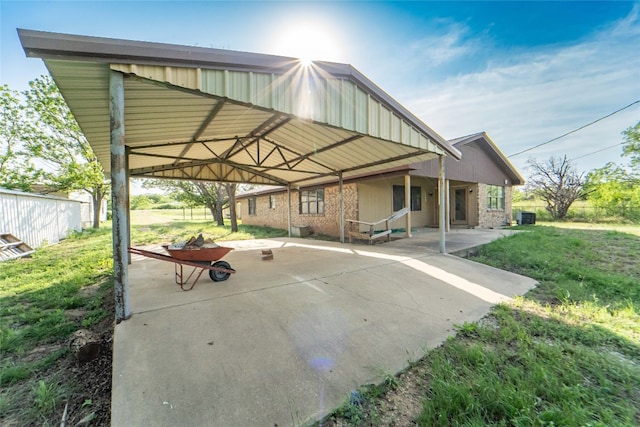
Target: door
(459,206)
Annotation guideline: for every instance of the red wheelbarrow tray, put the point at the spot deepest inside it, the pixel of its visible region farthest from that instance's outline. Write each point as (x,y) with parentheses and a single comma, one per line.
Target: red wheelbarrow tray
(198,253)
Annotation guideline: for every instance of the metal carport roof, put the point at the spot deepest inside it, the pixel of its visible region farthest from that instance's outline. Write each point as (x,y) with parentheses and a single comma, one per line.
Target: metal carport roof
(218,115)
(179,112)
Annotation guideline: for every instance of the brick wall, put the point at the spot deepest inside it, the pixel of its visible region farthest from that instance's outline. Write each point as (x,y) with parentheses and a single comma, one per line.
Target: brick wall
(493,218)
(327,223)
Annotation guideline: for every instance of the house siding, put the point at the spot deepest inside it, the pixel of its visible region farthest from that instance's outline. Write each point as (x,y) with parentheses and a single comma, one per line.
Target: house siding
(493,218)
(375,200)
(327,223)
(475,166)
(370,198)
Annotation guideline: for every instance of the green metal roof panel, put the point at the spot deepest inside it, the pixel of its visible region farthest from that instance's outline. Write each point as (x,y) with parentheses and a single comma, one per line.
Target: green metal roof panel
(202,113)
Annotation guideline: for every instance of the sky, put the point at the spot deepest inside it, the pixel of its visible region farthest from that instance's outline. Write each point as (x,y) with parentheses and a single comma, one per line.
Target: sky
(524,72)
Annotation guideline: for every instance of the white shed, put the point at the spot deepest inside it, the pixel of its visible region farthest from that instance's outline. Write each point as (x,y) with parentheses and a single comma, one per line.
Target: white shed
(36,219)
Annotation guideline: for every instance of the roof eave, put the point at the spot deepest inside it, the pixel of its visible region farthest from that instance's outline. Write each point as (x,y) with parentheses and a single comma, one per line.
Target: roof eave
(517,179)
(47,45)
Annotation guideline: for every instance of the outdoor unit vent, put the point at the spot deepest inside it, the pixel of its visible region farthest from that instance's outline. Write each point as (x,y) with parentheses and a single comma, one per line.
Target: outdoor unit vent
(524,218)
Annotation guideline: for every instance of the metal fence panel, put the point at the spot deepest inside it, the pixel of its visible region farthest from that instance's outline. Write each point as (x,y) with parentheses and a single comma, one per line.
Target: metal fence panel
(36,219)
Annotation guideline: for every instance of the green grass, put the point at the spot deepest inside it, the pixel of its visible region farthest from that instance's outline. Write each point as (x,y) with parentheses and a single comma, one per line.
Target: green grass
(565,354)
(580,211)
(180,231)
(58,290)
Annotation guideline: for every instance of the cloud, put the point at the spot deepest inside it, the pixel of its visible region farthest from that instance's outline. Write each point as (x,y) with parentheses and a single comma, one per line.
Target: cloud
(525,98)
(437,50)
(447,47)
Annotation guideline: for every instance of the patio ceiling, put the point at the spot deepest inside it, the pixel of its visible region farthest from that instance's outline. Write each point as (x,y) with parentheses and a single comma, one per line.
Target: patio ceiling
(218,115)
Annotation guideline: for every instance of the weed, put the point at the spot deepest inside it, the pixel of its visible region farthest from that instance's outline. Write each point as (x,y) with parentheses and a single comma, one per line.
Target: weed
(353,411)
(5,404)
(467,329)
(46,397)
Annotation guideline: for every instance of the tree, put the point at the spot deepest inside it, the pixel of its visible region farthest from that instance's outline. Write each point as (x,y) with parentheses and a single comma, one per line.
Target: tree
(558,183)
(16,168)
(231,194)
(615,190)
(56,139)
(631,145)
(41,143)
(214,195)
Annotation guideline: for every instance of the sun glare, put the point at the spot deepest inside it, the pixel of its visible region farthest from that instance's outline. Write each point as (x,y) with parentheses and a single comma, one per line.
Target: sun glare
(309,42)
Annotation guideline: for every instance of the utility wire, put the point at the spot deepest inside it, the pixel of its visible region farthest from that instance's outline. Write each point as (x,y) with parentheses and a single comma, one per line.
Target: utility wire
(597,151)
(575,130)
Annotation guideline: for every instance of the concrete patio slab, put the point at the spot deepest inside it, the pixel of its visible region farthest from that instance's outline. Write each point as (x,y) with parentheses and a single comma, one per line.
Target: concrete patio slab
(283,342)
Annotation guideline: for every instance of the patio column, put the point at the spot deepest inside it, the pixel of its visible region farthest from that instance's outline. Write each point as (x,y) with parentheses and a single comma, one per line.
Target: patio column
(407,204)
(341,198)
(119,196)
(289,209)
(441,193)
(447,204)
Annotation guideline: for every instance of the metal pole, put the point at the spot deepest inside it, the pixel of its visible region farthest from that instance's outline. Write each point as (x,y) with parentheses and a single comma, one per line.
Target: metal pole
(341,207)
(441,193)
(127,151)
(289,209)
(407,204)
(119,196)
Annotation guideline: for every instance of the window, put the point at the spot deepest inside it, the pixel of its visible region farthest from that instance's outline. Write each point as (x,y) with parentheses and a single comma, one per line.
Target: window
(312,201)
(495,197)
(398,198)
(272,202)
(252,206)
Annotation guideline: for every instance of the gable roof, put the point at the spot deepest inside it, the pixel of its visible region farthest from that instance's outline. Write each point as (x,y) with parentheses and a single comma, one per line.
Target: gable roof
(219,115)
(483,140)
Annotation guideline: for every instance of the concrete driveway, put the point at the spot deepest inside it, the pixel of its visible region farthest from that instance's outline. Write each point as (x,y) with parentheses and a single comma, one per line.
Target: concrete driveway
(284,342)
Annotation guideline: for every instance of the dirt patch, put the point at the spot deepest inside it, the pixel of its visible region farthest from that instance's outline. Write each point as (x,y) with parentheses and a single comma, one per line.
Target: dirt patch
(90,400)
(401,406)
(92,290)
(41,352)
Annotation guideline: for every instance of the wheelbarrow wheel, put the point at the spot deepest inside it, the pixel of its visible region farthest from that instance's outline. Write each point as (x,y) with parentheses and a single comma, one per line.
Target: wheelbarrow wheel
(220,276)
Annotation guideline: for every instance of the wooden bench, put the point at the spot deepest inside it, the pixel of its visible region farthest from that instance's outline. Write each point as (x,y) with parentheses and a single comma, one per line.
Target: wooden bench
(371,234)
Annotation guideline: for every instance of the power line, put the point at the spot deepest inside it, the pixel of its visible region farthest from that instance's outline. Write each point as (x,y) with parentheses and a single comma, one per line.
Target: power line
(597,151)
(575,130)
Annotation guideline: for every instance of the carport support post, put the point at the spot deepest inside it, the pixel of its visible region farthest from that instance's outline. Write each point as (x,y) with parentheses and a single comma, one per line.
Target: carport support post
(289,209)
(443,200)
(127,151)
(119,196)
(341,207)
(407,204)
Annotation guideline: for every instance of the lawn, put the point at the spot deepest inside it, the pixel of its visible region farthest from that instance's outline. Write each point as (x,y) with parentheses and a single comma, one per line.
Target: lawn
(47,297)
(567,353)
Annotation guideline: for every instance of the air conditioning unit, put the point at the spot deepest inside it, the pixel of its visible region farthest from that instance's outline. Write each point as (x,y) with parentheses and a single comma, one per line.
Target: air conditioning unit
(524,218)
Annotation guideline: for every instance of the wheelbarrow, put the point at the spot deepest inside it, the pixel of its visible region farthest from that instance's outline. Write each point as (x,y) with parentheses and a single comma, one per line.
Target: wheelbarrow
(200,258)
